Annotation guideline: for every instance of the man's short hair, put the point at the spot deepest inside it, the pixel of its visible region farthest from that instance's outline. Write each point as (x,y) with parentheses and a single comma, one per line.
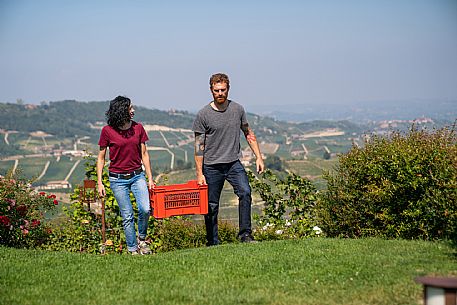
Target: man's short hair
(219,78)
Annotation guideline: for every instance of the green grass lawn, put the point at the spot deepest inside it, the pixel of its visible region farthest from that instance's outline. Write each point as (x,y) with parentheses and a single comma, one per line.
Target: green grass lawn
(78,175)
(156,139)
(177,177)
(58,170)
(5,166)
(32,167)
(160,158)
(17,138)
(313,271)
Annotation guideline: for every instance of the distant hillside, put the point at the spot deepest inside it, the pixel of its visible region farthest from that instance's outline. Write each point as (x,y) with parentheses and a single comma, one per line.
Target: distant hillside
(444,111)
(48,142)
(70,118)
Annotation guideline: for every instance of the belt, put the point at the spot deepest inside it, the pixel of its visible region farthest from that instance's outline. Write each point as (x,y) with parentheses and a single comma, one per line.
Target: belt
(126,175)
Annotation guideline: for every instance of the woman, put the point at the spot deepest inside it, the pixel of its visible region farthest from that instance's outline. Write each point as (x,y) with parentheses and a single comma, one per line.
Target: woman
(127,152)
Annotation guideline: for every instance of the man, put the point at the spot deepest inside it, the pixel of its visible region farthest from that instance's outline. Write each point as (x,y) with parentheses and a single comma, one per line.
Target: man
(217,152)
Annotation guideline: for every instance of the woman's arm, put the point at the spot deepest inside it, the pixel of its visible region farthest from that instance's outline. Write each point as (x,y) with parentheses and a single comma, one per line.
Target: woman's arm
(100,166)
(147,165)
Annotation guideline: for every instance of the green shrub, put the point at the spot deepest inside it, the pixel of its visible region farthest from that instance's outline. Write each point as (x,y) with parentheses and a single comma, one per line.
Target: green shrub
(396,186)
(22,213)
(82,230)
(288,207)
(180,233)
(228,232)
(274,162)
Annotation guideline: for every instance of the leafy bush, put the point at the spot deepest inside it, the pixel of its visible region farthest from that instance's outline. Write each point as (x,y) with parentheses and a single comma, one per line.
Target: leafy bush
(396,186)
(82,230)
(22,213)
(180,233)
(288,207)
(274,162)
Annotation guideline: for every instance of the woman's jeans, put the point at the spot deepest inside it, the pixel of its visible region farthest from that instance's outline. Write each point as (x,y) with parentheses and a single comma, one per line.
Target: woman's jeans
(215,176)
(121,189)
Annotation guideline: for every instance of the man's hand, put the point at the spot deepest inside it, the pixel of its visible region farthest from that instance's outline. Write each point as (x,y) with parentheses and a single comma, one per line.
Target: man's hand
(198,154)
(201,180)
(260,166)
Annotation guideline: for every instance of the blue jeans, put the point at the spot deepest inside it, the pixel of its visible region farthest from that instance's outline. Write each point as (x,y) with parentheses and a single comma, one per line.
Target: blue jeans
(215,176)
(121,189)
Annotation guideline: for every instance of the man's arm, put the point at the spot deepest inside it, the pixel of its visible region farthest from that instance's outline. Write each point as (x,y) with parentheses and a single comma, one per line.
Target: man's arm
(147,165)
(100,165)
(198,154)
(252,141)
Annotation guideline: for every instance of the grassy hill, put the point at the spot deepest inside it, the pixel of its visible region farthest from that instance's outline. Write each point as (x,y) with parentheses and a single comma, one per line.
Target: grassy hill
(313,271)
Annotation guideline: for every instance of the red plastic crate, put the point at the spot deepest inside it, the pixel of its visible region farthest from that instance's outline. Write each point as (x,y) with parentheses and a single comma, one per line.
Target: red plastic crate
(179,199)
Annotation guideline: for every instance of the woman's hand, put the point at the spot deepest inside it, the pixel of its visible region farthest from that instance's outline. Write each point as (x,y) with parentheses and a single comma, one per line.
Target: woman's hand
(101,190)
(151,184)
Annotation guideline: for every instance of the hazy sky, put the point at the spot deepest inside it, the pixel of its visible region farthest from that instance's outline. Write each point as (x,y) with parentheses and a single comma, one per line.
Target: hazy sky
(161,53)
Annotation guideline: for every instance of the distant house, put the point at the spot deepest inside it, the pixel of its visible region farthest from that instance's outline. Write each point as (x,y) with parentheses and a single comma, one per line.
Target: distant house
(296,153)
(173,111)
(30,106)
(52,185)
(57,152)
(246,156)
(74,153)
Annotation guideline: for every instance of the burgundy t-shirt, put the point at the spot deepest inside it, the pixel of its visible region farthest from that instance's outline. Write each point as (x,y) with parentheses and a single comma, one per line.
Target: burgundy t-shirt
(124,147)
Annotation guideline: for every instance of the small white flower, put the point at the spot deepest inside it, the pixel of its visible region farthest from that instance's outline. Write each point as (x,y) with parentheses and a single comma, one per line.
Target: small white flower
(288,224)
(279,232)
(317,230)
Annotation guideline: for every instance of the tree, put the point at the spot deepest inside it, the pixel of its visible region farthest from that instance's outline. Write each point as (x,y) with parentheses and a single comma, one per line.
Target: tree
(274,162)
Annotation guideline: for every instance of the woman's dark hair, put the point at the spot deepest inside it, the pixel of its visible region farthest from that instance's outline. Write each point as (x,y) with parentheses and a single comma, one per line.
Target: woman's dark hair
(118,112)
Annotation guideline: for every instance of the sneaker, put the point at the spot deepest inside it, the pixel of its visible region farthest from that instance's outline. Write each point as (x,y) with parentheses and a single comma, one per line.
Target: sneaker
(247,238)
(134,252)
(143,247)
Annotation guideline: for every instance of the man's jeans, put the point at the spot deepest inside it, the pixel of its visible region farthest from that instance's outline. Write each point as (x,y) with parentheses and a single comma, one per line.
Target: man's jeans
(215,176)
(121,189)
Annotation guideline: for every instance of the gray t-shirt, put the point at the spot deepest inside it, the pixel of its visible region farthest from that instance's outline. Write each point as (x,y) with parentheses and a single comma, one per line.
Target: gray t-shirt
(222,132)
